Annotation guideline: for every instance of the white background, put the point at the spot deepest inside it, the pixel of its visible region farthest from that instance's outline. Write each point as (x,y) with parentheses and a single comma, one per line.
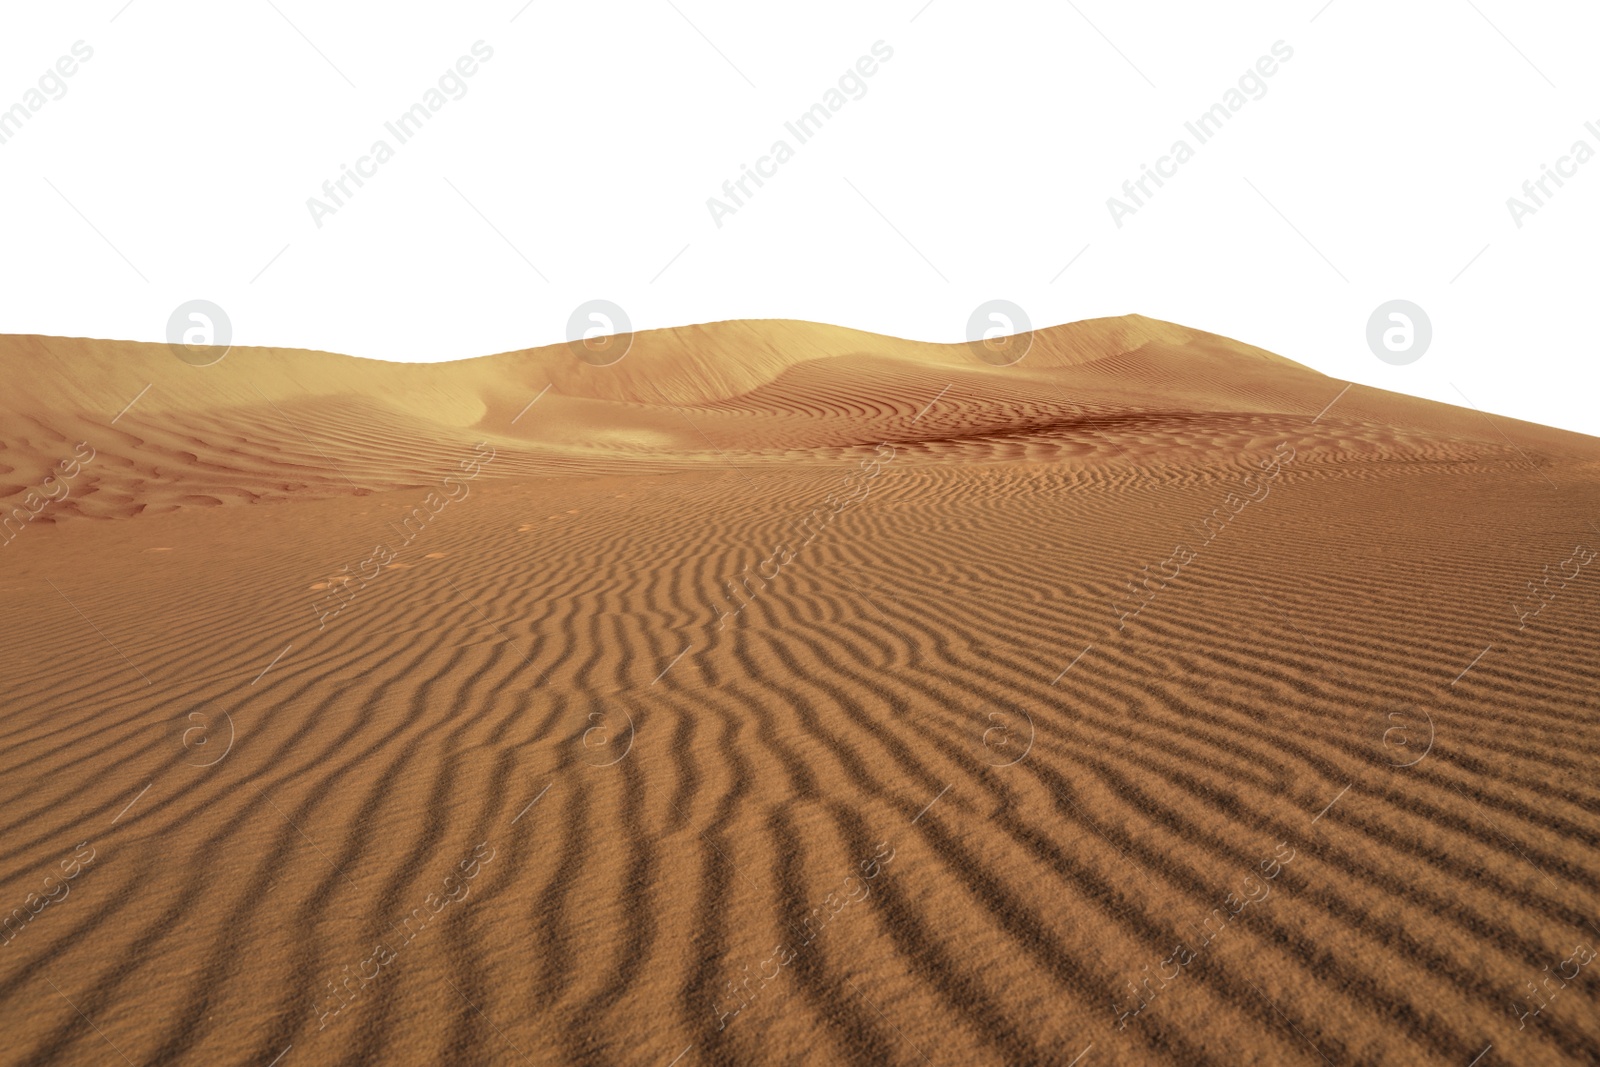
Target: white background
(978,164)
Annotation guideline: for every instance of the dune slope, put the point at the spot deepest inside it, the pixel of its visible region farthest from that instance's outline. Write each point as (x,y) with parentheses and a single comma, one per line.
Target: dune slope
(789,694)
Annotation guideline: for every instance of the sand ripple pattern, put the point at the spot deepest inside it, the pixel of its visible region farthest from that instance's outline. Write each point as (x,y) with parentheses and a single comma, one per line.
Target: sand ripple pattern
(532,797)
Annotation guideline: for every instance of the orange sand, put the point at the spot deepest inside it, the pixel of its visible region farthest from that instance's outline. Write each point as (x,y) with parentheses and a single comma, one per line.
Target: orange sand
(789,694)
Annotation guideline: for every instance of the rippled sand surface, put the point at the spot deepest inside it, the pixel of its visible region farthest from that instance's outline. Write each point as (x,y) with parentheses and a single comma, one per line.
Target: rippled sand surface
(788,694)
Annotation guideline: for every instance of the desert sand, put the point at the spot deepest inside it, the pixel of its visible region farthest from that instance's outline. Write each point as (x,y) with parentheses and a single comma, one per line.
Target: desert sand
(788,694)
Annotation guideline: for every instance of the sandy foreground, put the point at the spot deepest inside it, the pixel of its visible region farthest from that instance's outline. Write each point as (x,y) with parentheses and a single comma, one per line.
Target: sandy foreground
(788,694)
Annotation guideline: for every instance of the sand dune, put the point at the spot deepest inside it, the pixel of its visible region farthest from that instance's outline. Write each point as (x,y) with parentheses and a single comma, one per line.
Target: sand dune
(788,694)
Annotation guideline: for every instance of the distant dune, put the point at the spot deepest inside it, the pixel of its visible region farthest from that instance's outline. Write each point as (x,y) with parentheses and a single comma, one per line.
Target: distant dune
(265,425)
(783,693)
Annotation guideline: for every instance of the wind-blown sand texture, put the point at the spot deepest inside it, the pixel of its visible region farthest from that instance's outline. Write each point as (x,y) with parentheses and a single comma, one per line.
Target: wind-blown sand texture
(788,694)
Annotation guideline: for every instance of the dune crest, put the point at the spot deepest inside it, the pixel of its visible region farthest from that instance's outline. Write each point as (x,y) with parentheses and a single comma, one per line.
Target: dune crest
(269,425)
